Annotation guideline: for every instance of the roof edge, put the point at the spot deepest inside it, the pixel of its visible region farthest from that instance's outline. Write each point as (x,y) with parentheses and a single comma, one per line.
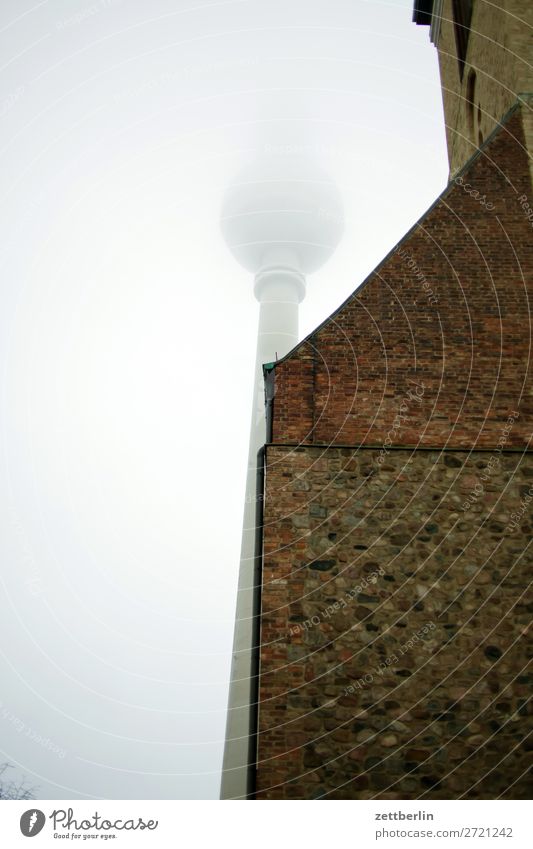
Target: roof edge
(422,12)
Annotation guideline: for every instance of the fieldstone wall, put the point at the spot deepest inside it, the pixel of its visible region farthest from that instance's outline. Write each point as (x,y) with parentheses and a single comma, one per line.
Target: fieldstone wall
(395,610)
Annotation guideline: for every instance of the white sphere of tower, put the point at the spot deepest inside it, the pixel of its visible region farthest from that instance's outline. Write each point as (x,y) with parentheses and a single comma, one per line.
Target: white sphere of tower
(282,213)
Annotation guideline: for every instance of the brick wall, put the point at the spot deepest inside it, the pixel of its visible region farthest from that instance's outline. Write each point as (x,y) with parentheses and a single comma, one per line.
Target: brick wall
(395,576)
(501,55)
(447,312)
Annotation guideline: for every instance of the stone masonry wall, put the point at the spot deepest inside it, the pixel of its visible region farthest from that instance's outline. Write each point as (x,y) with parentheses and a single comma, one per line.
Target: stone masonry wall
(394,622)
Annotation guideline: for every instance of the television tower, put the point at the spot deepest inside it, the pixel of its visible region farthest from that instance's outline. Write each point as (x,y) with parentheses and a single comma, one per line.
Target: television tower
(282,218)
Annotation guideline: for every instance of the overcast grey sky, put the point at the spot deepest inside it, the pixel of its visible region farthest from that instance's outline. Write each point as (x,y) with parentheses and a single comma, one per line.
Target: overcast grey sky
(127,343)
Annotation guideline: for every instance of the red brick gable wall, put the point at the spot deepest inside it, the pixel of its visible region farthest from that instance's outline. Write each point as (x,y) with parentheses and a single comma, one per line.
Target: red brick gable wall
(434,349)
(395,612)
